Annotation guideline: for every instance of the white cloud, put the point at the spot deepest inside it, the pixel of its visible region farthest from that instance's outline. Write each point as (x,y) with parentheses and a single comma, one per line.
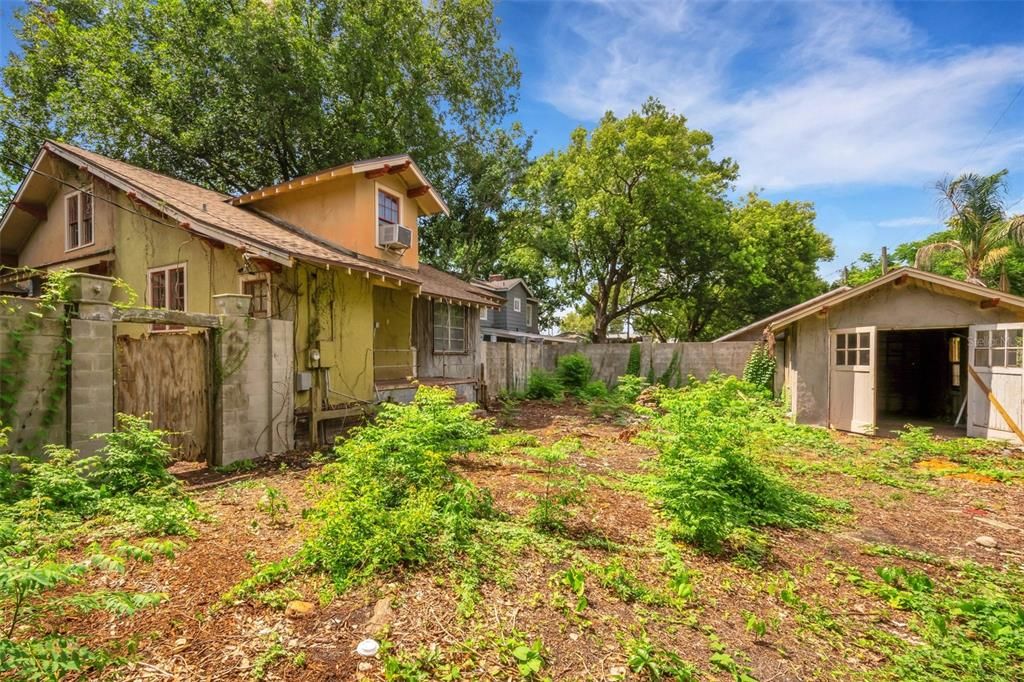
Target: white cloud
(799,94)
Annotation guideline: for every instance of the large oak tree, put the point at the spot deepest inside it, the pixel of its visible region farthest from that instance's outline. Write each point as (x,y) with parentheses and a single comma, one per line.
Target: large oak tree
(609,213)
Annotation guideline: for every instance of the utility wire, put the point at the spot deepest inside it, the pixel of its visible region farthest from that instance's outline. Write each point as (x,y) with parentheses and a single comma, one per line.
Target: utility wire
(994,125)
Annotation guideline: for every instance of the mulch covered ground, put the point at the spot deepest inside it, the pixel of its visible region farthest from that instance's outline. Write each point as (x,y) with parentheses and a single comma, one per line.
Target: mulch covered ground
(195,635)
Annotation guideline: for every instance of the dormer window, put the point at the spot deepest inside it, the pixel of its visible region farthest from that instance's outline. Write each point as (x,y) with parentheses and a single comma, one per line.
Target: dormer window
(78,220)
(387,208)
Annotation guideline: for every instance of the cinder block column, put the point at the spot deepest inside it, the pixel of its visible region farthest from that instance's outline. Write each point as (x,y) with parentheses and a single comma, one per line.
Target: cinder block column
(91,376)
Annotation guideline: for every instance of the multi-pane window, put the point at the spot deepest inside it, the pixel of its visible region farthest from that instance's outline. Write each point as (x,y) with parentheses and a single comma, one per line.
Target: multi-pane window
(853,349)
(517,305)
(167,290)
(387,207)
(449,328)
(259,289)
(78,220)
(998,347)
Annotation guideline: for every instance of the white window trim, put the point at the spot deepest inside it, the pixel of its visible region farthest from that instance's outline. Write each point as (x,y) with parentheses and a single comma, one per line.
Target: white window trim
(259,276)
(77,194)
(517,304)
(378,187)
(149,289)
(529,314)
(448,326)
(483,313)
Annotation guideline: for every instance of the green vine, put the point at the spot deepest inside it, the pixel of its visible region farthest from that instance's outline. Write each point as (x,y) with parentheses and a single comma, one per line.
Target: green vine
(760,368)
(14,363)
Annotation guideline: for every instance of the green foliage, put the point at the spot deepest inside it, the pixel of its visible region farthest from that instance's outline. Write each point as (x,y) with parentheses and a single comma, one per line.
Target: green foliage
(594,390)
(671,375)
(633,364)
(575,580)
(630,386)
(528,656)
(603,213)
(574,372)
(543,385)
(562,486)
(273,504)
(970,628)
(655,663)
(760,368)
(390,499)
(709,481)
(134,458)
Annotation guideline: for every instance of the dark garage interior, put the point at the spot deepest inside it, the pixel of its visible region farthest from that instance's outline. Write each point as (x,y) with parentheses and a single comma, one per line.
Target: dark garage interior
(922,376)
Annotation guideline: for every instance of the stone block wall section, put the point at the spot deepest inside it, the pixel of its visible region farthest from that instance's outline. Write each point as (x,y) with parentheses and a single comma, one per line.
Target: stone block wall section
(253,405)
(508,365)
(256,368)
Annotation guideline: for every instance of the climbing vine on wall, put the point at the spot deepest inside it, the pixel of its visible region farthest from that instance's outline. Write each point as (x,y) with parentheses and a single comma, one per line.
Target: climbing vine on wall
(760,367)
(24,325)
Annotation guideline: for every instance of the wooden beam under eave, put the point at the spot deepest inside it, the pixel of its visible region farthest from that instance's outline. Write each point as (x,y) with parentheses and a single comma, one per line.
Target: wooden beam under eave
(989,303)
(37,211)
(417,192)
(823,312)
(901,280)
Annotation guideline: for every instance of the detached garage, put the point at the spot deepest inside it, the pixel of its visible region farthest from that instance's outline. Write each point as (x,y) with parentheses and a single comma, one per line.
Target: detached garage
(910,347)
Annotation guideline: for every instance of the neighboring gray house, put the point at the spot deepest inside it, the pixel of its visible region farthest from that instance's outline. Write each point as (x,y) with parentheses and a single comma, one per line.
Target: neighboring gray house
(516,320)
(908,347)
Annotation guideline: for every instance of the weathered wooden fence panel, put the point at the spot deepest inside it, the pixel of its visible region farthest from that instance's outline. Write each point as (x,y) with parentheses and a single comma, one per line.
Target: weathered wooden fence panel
(168,375)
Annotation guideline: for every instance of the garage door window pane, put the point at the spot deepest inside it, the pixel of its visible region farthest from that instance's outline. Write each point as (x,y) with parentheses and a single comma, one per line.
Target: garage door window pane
(865,340)
(840,357)
(998,357)
(841,341)
(851,357)
(865,357)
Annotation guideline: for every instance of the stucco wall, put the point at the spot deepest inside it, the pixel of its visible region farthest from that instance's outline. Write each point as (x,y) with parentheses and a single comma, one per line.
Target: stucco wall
(891,307)
(47,243)
(344,211)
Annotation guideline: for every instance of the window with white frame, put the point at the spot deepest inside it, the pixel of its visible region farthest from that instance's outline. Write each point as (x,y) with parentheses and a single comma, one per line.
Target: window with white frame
(483,314)
(78,220)
(998,347)
(449,328)
(517,304)
(388,210)
(258,287)
(529,314)
(853,349)
(167,289)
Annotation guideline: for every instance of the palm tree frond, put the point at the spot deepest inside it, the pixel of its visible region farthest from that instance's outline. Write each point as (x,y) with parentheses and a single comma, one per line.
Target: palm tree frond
(1015,229)
(924,256)
(994,257)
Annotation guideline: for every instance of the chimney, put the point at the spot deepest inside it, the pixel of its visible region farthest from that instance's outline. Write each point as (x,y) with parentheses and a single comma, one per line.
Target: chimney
(495,278)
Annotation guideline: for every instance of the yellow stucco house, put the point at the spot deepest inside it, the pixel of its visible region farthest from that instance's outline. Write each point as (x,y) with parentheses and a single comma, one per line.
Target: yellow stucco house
(336,252)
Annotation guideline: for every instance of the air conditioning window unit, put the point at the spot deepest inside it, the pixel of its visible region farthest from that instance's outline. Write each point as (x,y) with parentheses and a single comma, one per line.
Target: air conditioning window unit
(393,236)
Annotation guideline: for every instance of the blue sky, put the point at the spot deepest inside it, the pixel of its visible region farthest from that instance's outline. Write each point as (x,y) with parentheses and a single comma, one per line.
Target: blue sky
(856,107)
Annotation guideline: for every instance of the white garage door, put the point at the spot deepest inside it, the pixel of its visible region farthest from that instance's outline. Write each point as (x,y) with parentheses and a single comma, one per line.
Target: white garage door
(851,387)
(996,409)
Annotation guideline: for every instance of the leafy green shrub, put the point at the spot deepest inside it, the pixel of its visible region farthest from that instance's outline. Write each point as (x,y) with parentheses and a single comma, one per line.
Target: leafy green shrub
(655,663)
(135,458)
(594,390)
(543,385)
(630,386)
(633,364)
(390,498)
(760,368)
(708,482)
(574,372)
(563,486)
(61,481)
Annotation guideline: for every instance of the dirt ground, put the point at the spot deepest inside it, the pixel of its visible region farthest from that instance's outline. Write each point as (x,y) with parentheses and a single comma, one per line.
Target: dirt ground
(815,620)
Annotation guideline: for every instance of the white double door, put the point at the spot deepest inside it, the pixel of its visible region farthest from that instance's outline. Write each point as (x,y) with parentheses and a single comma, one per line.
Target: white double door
(994,356)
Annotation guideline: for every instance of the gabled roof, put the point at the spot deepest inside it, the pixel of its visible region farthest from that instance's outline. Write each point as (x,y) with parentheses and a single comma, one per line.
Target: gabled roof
(200,211)
(504,285)
(763,323)
(397,164)
(899,276)
(442,285)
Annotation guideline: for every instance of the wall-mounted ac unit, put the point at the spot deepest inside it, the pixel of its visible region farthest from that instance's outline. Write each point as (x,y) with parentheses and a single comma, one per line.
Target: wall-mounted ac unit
(393,236)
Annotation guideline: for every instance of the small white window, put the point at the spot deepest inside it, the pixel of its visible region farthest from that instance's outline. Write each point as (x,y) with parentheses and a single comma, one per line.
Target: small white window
(853,349)
(529,314)
(483,314)
(78,220)
(517,304)
(999,348)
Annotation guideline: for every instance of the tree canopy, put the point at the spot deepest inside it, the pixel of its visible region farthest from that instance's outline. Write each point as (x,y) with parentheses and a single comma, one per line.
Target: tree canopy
(237,94)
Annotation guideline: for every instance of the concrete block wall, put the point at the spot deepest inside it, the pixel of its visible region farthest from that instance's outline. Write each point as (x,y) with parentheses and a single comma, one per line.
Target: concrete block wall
(255,415)
(28,346)
(91,383)
(508,365)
